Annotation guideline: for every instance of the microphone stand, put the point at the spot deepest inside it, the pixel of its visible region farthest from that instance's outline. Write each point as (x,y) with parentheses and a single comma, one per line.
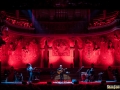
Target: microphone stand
(79,74)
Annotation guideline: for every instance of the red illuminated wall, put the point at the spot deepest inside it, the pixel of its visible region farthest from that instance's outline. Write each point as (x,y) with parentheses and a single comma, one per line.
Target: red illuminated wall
(102,50)
(61,52)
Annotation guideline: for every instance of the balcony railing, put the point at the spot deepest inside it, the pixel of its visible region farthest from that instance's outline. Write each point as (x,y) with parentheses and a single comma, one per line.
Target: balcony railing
(20,25)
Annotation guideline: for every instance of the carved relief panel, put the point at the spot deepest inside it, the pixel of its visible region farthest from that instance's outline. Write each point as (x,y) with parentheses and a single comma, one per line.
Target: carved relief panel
(61,47)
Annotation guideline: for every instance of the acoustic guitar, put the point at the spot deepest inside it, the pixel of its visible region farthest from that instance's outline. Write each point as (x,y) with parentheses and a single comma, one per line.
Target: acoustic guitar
(60,71)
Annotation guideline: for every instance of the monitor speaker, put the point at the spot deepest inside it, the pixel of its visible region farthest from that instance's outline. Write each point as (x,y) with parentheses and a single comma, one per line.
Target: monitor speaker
(49,82)
(75,81)
(35,81)
(24,82)
(103,82)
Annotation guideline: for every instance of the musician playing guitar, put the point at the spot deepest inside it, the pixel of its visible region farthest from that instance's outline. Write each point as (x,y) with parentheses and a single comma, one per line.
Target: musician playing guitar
(60,71)
(90,76)
(30,72)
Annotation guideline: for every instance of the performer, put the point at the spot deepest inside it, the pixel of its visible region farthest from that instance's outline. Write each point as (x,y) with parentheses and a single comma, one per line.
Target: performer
(90,73)
(60,71)
(30,69)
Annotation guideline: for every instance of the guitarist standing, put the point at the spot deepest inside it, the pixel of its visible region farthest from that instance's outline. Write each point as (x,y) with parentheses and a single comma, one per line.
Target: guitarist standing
(60,71)
(30,69)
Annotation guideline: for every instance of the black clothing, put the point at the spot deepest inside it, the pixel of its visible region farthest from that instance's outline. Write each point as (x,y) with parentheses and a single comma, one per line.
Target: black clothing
(30,69)
(90,73)
(61,74)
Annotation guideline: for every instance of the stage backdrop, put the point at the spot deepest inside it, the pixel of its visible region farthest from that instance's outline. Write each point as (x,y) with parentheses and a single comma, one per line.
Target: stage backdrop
(18,50)
(60,52)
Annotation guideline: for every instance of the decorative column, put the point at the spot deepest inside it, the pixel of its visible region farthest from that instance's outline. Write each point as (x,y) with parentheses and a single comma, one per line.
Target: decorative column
(80,53)
(17,13)
(50,55)
(46,55)
(42,58)
(76,54)
(72,56)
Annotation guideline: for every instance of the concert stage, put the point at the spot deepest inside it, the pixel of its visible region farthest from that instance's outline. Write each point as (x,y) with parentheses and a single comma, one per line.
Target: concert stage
(85,53)
(61,83)
(67,85)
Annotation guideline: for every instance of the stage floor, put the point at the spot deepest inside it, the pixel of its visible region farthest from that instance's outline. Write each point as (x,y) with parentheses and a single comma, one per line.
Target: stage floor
(61,83)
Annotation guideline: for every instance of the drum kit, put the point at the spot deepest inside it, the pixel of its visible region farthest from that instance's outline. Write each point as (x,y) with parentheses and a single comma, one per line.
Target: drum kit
(84,76)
